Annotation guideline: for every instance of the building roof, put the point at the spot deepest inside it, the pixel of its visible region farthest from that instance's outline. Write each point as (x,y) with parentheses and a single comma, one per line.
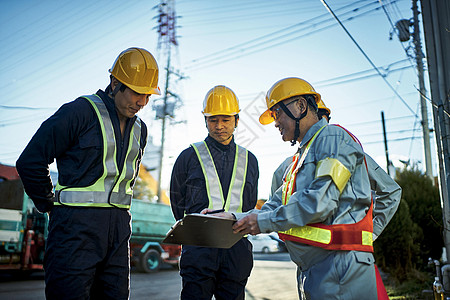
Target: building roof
(8,172)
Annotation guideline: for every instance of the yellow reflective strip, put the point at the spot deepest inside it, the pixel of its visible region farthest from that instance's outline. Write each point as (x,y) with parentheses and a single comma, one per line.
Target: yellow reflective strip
(314,234)
(367,238)
(92,205)
(99,185)
(217,176)
(298,164)
(233,178)
(239,210)
(335,169)
(208,191)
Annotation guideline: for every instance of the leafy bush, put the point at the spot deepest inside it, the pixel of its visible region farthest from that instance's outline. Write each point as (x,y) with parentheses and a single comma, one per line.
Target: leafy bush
(413,235)
(425,209)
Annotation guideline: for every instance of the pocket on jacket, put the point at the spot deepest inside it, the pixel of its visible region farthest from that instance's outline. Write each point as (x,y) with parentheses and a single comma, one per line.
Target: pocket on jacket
(364,258)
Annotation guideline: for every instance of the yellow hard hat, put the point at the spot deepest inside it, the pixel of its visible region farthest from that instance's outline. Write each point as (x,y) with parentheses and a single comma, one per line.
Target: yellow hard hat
(138,70)
(220,100)
(285,89)
(321,105)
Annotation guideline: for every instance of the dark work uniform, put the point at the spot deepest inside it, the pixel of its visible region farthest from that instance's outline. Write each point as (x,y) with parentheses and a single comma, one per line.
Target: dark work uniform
(208,271)
(87,250)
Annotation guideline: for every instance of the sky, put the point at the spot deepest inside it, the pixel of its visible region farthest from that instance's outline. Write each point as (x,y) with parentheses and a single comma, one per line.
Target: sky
(55,51)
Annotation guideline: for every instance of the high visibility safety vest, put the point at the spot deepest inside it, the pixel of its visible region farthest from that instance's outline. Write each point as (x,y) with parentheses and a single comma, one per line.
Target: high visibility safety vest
(113,188)
(234,200)
(357,236)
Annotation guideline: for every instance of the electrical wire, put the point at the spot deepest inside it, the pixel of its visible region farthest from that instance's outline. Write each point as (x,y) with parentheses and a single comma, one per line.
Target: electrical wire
(25,107)
(362,75)
(367,57)
(270,35)
(393,140)
(383,6)
(75,51)
(414,130)
(221,57)
(377,121)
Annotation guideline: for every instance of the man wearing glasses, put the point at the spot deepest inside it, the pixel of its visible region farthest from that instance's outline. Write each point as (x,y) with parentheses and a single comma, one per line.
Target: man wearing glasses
(323,210)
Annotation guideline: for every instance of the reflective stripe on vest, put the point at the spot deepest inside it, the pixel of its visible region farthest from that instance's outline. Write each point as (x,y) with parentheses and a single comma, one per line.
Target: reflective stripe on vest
(113,188)
(233,203)
(357,236)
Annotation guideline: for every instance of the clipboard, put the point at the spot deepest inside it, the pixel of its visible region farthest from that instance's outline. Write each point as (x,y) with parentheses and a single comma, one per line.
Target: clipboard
(204,231)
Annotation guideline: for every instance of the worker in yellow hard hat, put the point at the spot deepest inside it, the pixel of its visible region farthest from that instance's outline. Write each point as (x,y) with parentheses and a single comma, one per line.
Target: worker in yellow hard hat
(323,111)
(277,178)
(289,88)
(387,192)
(323,210)
(217,174)
(98,142)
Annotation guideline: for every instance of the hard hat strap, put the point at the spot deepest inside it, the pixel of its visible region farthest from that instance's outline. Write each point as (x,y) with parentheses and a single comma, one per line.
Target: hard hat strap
(297,120)
(116,89)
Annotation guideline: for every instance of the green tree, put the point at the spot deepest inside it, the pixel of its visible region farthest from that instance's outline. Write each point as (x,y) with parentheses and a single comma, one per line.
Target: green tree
(415,232)
(425,208)
(396,250)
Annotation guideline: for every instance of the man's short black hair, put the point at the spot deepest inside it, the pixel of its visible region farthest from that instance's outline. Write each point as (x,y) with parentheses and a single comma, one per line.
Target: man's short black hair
(323,112)
(122,86)
(311,99)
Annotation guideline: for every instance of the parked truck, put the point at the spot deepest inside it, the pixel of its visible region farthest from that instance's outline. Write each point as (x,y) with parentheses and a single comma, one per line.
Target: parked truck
(150,223)
(23,229)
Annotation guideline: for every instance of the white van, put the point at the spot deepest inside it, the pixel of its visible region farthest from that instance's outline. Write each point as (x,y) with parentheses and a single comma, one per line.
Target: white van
(263,243)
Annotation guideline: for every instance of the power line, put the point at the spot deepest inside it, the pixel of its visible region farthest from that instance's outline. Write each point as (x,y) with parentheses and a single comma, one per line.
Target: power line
(393,28)
(394,140)
(76,51)
(270,35)
(361,75)
(245,14)
(367,57)
(377,121)
(263,42)
(247,6)
(25,107)
(414,130)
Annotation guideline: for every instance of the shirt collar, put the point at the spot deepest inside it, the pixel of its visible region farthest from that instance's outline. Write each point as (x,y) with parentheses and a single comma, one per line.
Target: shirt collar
(312,130)
(212,142)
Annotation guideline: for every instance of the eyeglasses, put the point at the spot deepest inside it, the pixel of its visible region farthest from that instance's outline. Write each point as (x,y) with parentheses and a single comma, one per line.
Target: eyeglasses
(275,113)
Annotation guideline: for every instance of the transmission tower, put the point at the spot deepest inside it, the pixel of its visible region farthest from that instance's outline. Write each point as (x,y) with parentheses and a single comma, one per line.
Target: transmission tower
(166,40)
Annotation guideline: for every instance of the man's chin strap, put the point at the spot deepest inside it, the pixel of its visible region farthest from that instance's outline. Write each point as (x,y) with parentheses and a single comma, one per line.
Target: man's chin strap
(297,120)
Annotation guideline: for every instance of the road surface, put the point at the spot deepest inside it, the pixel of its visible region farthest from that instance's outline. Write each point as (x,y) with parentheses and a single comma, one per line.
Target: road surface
(273,277)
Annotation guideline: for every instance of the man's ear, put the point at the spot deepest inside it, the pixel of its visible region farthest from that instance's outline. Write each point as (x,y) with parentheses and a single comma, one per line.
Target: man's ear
(114,82)
(236,120)
(302,104)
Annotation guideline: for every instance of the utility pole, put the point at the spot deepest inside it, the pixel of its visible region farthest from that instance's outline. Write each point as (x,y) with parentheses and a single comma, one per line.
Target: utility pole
(423,104)
(163,127)
(435,16)
(388,162)
(404,36)
(167,38)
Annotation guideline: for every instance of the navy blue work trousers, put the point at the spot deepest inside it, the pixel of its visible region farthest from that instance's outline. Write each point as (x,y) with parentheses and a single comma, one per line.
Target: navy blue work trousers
(87,253)
(220,272)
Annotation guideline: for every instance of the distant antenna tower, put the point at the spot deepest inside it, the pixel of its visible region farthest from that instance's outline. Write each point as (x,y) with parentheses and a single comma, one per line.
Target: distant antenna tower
(166,24)
(167,38)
